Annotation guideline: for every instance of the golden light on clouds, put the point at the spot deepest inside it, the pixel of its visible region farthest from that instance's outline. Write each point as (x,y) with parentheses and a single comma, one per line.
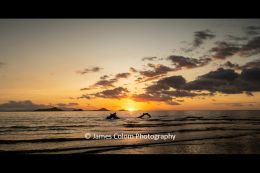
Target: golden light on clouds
(132,64)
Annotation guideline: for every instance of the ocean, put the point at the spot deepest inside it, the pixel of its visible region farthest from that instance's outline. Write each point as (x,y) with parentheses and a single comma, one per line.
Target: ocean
(166,132)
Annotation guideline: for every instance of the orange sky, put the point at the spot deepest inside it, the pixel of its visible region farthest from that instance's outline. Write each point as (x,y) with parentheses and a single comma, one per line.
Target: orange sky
(43,61)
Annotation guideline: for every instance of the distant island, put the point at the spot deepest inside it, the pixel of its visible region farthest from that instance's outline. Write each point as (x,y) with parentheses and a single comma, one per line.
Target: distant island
(54,109)
(121,110)
(48,109)
(102,109)
(77,110)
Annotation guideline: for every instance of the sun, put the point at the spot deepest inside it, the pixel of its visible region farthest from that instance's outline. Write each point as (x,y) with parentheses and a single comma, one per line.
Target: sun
(130,109)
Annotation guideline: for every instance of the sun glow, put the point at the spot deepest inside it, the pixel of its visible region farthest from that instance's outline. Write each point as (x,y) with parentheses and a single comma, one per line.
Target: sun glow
(130,109)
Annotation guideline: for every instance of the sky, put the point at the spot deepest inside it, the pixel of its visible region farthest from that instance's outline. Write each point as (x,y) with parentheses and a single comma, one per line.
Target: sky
(131,64)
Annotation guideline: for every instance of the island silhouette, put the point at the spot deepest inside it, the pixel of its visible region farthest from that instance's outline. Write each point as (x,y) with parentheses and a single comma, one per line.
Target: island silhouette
(48,109)
(53,109)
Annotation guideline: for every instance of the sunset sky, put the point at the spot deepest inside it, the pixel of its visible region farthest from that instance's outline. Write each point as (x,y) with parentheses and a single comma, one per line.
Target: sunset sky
(132,64)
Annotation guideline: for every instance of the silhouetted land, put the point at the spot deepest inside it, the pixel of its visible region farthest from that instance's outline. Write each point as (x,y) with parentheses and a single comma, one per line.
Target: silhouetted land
(48,109)
(77,110)
(102,109)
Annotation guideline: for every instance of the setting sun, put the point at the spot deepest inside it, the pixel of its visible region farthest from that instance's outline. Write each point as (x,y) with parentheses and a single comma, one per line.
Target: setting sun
(130,109)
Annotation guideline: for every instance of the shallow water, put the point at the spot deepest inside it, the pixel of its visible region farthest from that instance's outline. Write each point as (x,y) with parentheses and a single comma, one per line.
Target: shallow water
(196,132)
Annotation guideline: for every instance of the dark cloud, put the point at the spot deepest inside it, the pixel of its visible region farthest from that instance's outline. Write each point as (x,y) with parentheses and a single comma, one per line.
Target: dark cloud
(167,83)
(160,91)
(122,75)
(252,30)
(224,50)
(252,47)
(104,77)
(181,61)
(201,36)
(87,88)
(116,93)
(237,104)
(248,65)
(179,93)
(153,97)
(67,104)
(90,70)
(28,105)
(235,38)
(25,105)
(230,65)
(252,64)
(158,69)
(132,69)
(227,81)
(105,83)
(85,96)
(222,74)
(149,58)
(251,75)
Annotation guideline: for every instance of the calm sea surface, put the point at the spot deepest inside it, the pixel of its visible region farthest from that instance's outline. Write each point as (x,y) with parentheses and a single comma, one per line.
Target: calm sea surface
(202,132)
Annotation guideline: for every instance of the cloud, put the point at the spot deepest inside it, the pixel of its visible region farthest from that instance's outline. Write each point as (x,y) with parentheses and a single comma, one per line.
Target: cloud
(105,83)
(85,96)
(67,105)
(167,83)
(235,38)
(133,70)
(149,58)
(224,50)
(237,104)
(251,75)
(90,70)
(201,36)
(227,81)
(104,77)
(160,91)
(222,74)
(28,105)
(252,30)
(153,97)
(251,48)
(160,70)
(25,105)
(115,93)
(252,64)
(181,61)
(157,69)
(122,75)
(180,93)
(248,65)
(230,65)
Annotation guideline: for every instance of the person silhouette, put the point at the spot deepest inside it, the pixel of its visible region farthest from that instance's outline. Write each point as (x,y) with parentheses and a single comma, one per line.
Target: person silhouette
(112,116)
(145,114)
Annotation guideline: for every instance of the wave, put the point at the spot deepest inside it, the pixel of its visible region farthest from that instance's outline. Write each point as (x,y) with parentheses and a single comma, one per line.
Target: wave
(101,149)
(48,140)
(191,118)
(171,124)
